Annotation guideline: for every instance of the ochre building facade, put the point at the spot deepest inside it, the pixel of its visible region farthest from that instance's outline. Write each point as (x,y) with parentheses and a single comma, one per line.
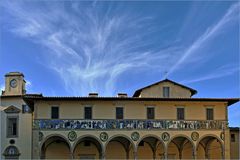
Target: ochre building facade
(160,121)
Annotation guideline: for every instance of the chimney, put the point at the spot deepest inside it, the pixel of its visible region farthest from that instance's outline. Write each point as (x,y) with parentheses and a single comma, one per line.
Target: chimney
(122,95)
(93,95)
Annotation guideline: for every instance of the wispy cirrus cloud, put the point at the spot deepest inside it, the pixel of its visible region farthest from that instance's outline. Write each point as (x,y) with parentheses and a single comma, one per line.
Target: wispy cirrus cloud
(28,85)
(231,15)
(89,48)
(91,45)
(2,87)
(222,71)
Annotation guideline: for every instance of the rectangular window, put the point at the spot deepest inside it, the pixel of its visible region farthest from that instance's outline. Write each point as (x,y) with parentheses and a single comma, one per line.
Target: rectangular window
(166,92)
(88,112)
(26,109)
(232,137)
(55,113)
(209,113)
(180,113)
(119,113)
(150,113)
(12,125)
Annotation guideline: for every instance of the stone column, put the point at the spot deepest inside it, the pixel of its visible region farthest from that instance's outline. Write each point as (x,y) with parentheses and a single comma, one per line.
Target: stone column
(180,153)
(154,154)
(127,154)
(206,153)
(102,155)
(194,153)
(223,154)
(165,153)
(72,155)
(135,155)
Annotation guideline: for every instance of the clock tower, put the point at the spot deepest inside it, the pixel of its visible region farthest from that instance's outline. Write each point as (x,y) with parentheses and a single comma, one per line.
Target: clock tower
(14,84)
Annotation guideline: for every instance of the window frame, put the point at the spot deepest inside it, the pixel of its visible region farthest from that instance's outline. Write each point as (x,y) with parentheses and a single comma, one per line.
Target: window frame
(183,113)
(17,126)
(11,156)
(117,114)
(150,107)
(164,93)
(84,116)
(58,116)
(24,110)
(233,137)
(207,113)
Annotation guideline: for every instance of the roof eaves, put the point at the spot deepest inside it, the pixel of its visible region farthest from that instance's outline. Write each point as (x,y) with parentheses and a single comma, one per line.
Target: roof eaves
(229,101)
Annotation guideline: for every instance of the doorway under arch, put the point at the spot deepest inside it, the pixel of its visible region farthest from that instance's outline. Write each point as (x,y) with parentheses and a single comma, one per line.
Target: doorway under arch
(87,148)
(150,148)
(55,147)
(210,147)
(119,147)
(180,147)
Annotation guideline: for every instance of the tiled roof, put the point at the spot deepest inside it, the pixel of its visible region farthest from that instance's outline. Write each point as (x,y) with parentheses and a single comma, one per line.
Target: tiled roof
(30,97)
(234,128)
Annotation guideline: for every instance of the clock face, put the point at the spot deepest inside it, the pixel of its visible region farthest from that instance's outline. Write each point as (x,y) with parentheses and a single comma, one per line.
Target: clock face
(13,83)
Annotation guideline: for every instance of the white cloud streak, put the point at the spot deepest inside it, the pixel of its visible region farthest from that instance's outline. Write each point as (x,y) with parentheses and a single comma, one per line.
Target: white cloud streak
(220,72)
(2,88)
(230,15)
(90,49)
(28,84)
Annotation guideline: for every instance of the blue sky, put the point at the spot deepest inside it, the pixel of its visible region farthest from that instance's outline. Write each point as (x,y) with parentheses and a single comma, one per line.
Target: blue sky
(70,48)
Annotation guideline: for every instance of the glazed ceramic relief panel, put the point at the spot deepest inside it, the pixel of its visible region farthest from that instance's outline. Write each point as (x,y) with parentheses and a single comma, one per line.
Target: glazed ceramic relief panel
(127,124)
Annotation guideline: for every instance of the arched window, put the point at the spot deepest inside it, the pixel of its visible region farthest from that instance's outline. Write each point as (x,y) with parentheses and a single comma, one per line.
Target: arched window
(11,152)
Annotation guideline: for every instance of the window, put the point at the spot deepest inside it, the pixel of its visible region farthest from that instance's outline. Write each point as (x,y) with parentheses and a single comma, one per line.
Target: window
(55,113)
(119,113)
(166,92)
(150,113)
(12,125)
(232,137)
(11,152)
(26,109)
(180,113)
(209,113)
(88,112)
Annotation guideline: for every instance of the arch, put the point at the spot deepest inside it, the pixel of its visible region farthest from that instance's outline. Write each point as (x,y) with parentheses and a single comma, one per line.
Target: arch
(49,149)
(88,151)
(119,147)
(210,146)
(208,135)
(150,135)
(178,147)
(154,150)
(119,135)
(11,152)
(54,135)
(180,135)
